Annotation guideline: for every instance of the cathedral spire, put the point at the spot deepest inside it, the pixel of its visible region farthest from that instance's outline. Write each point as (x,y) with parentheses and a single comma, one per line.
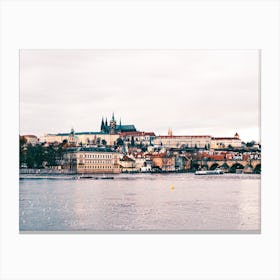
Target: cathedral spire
(113,125)
(102,125)
(106,123)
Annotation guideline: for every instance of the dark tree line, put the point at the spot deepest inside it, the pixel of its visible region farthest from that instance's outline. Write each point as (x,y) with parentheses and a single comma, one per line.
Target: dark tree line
(35,156)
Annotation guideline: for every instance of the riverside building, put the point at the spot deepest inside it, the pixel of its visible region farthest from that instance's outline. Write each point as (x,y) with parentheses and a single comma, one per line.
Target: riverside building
(92,160)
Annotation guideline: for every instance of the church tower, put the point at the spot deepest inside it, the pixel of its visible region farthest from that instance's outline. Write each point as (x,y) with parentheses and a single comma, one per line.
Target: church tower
(71,137)
(236,135)
(106,126)
(170,133)
(102,125)
(113,125)
(120,126)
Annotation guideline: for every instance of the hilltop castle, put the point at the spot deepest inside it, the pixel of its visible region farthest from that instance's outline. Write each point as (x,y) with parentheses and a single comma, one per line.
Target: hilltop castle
(108,132)
(113,128)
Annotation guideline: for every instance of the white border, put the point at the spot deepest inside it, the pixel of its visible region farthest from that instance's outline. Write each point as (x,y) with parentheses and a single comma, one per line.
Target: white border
(161,25)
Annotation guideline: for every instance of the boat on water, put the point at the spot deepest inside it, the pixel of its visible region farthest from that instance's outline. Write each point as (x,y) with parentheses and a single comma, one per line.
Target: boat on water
(107,178)
(209,172)
(92,177)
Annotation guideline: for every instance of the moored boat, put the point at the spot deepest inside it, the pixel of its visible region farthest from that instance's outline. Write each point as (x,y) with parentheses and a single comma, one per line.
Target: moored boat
(209,172)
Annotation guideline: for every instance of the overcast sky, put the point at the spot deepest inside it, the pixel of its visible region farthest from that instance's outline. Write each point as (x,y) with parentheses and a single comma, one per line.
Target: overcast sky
(192,92)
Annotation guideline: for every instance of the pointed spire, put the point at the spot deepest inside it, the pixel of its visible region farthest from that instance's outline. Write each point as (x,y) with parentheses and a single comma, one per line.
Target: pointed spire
(236,135)
(120,122)
(102,125)
(106,122)
(113,117)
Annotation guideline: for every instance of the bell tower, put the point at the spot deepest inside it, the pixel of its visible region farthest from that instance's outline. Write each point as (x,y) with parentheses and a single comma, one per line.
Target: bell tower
(71,137)
(113,125)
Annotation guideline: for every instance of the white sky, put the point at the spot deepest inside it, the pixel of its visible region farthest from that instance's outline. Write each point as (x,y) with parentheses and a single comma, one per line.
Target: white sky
(193,91)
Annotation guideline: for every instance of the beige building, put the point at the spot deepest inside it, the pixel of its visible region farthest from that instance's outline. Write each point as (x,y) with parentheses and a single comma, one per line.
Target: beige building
(164,162)
(93,160)
(52,138)
(80,138)
(172,141)
(139,137)
(127,164)
(31,139)
(198,141)
(225,142)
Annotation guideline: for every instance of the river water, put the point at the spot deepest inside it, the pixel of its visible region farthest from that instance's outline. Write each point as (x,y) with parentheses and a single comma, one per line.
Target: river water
(141,202)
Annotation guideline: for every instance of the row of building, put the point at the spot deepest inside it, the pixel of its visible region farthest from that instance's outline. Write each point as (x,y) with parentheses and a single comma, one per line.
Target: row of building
(119,148)
(105,160)
(110,134)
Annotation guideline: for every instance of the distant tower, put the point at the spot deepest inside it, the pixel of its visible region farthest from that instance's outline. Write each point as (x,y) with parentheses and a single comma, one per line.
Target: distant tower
(102,125)
(113,125)
(105,127)
(170,133)
(236,135)
(71,138)
(120,126)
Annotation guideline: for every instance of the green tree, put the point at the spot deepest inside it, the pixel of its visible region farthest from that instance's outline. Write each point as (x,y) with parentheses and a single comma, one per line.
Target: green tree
(60,152)
(35,156)
(50,156)
(132,141)
(250,144)
(119,142)
(22,152)
(64,143)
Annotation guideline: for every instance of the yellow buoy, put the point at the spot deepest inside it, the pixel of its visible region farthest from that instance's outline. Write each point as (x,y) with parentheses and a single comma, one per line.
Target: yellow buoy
(172,188)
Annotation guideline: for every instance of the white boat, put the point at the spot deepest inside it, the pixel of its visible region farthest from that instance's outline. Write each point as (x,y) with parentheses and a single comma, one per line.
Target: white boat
(209,172)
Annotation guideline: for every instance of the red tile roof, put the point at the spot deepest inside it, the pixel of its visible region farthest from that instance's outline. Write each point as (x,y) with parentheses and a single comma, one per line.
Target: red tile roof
(184,136)
(224,138)
(137,133)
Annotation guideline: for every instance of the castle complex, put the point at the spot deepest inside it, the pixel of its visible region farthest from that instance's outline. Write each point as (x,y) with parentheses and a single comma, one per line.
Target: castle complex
(122,148)
(110,132)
